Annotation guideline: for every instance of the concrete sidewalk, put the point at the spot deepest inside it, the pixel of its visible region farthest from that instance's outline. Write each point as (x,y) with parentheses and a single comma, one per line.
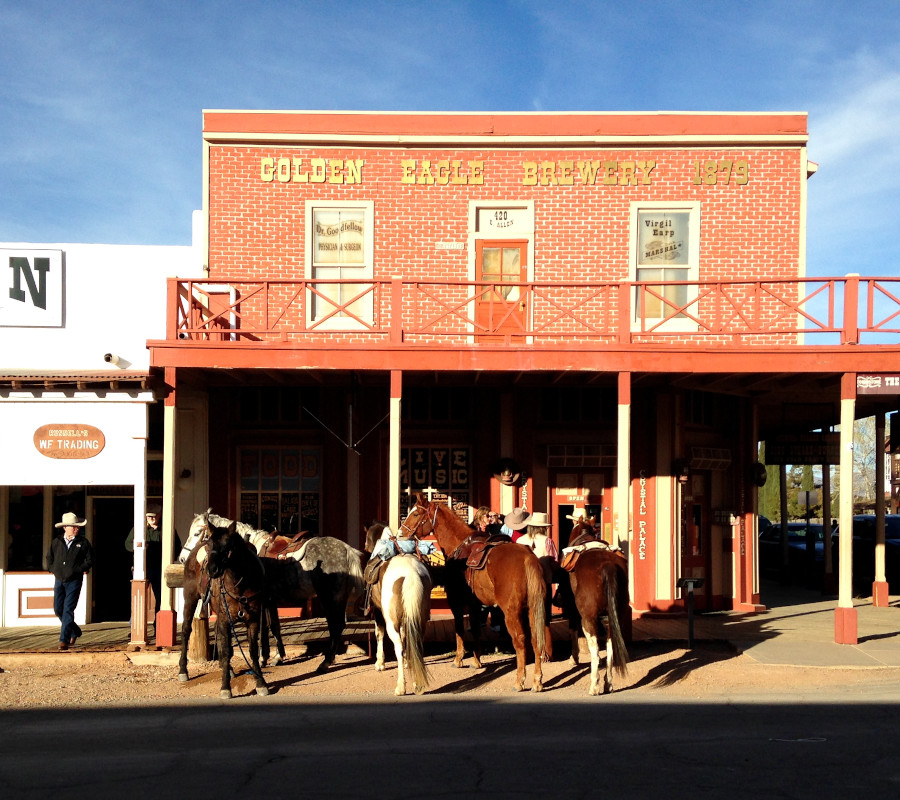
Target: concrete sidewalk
(797,629)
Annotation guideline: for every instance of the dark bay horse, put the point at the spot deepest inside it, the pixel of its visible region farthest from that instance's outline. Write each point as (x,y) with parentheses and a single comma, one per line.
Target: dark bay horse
(512,579)
(324,567)
(401,601)
(598,574)
(237,595)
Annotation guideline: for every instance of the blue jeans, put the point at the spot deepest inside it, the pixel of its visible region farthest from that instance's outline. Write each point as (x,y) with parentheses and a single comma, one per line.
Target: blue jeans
(65,598)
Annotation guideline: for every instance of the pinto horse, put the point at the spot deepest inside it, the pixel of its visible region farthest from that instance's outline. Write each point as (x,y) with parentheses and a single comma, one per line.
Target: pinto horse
(324,567)
(512,579)
(598,574)
(238,591)
(401,599)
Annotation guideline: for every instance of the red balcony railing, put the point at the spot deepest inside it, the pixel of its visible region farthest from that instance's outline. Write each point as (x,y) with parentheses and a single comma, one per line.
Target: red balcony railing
(826,310)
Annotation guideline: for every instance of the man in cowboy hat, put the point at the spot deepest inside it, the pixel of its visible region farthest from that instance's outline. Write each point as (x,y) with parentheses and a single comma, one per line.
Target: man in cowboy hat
(70,557)
(514,523)
(154,551)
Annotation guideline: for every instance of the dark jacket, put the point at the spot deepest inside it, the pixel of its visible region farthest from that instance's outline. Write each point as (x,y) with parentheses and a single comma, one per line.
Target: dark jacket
(70,563)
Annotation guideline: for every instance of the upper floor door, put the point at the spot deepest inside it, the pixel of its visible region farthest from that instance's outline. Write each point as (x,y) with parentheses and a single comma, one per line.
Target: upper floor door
(501,312)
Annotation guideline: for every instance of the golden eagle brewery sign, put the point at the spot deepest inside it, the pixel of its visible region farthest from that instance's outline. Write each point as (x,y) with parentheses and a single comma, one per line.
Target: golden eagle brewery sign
(69,441)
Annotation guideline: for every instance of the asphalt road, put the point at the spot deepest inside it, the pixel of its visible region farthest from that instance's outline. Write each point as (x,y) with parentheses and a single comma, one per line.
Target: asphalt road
(519,747)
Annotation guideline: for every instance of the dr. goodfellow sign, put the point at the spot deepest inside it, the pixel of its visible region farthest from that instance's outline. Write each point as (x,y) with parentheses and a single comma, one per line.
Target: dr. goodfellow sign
(69,441)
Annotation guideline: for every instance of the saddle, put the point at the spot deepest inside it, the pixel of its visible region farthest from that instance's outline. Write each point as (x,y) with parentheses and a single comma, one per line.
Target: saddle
(585,542)
(475,549)
(278,546)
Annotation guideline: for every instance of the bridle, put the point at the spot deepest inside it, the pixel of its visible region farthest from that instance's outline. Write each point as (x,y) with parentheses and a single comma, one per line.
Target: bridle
(417,530)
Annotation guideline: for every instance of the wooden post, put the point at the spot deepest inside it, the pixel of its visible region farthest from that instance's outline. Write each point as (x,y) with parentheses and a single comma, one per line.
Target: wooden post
(199,647)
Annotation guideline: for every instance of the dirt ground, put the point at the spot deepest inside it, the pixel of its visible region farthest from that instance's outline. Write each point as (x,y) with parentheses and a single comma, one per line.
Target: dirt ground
(657,672)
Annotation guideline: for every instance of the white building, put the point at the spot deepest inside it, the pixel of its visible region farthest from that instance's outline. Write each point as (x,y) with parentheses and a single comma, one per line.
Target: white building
(77,411)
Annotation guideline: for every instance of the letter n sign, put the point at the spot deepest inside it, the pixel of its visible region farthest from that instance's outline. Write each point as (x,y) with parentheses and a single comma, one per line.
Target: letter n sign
(32,293)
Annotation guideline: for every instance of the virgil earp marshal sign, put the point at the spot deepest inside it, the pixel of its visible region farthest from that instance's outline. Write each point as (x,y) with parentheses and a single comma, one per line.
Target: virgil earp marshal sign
(63,440)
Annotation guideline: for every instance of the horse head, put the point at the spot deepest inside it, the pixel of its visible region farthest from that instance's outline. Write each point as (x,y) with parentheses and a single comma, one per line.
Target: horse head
(198,532)
(224,543)
(373,534)
(420,521)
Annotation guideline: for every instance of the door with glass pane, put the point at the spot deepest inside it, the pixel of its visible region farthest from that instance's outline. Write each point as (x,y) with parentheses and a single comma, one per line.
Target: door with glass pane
(501,312)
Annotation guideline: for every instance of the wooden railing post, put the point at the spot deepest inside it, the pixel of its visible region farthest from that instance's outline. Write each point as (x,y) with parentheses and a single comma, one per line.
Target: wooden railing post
(851,309)
(172,306)
(625,313)
(396,309)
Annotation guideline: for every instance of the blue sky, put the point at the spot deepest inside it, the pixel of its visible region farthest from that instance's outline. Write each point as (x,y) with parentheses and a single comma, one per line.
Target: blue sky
(100,102)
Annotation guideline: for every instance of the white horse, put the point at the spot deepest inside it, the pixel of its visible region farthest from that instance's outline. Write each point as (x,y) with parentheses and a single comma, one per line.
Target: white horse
(403,608)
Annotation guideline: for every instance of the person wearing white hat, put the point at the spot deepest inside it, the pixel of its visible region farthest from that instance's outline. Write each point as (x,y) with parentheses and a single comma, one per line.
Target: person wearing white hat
(69,558)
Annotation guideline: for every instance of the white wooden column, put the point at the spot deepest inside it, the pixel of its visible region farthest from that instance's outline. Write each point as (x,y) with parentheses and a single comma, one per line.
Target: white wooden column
(394,454)
(845,631)
(622,507)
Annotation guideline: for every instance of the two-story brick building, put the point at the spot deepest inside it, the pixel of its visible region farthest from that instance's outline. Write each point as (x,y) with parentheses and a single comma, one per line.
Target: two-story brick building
(565,311)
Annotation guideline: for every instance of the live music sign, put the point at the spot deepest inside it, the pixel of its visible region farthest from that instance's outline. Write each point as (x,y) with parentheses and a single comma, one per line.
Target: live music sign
(69,441)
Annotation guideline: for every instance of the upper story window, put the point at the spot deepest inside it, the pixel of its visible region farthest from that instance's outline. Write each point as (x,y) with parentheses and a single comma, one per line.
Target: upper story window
(665,247)
(341,243)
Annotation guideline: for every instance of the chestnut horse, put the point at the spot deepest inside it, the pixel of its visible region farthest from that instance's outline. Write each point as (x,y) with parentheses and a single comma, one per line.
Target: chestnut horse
(512,579)
(237,594)
(598,574)
(401,600)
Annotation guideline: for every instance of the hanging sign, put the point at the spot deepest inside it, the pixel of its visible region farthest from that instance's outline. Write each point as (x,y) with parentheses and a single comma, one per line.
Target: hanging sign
(64,440)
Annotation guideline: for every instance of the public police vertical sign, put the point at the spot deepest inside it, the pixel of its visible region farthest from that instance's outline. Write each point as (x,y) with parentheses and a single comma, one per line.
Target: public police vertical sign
(33,292)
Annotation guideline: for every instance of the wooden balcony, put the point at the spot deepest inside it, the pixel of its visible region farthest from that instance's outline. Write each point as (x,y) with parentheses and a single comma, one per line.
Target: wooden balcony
(828,324)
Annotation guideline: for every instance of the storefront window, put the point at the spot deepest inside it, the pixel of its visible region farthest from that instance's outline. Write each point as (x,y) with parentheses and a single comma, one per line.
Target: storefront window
(440,473)
(280,489)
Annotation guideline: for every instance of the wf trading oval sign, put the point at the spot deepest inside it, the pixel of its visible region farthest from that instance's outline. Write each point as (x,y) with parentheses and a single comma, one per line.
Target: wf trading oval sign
(69,441)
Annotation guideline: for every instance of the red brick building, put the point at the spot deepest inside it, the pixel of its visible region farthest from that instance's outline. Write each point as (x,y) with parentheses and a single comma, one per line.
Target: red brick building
(613,306)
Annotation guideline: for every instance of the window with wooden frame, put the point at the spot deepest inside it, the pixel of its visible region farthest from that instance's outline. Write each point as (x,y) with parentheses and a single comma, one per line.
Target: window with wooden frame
(665,247)
(340,244)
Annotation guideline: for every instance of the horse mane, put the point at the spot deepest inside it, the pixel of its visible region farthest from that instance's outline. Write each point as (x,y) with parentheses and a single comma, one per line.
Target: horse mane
(247,531)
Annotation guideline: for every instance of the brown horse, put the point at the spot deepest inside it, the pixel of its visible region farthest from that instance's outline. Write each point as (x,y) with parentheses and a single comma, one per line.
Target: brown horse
(511,578)
(598,574)
(237,594)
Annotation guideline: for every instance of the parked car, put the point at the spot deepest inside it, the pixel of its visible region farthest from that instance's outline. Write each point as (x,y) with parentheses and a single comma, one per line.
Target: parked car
(770,549)
(864,551)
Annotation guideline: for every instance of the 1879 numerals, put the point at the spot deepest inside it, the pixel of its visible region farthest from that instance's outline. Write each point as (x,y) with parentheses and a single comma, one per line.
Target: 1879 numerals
(713,172)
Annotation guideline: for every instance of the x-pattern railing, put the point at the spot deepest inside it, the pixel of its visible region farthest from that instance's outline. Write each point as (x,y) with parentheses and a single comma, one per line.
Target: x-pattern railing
(533,313)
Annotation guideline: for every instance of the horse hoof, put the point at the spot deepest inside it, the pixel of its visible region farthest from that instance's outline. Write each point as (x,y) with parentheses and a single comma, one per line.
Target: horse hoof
(225,694)
(519,687)
(262,691)
(419,689)
(538,687)
(277,660)
(399,692)
(379,668)
(593,691)
(183,677)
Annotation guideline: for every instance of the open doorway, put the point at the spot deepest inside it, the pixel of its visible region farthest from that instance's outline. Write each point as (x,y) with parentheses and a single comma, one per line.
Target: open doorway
(111,520)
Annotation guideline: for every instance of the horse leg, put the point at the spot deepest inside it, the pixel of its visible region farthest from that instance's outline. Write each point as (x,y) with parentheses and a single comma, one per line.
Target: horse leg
(254,625)
(187,624)
(593,643)
(275,626)
(517,634)
(335,616)
(263,639)
(379,639)
(223,642)
(608,678)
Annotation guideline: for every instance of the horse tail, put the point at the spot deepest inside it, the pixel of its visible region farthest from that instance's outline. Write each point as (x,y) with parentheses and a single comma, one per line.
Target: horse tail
(355,575)
(411,616)
(536,592)
(619,651)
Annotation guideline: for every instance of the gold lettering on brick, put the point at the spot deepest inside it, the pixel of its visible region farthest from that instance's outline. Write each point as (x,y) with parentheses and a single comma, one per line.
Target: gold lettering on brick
(319,170)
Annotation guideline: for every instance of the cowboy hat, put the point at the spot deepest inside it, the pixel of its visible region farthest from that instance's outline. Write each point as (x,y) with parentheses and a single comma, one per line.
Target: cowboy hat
(517,519)
(153,508)
(577,515)
(539,520)
(507,471)
(71,519)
